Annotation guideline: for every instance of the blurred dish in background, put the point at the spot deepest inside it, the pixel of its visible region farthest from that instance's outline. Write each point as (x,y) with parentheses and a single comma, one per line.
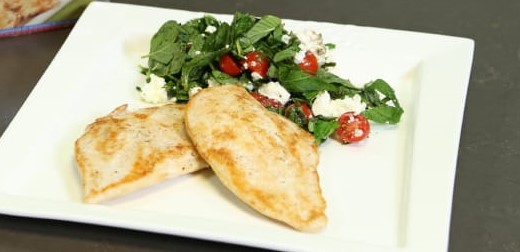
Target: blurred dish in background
(18,12)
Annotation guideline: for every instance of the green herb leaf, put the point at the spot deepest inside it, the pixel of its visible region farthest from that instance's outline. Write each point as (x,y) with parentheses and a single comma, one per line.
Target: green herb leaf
(332,78)
(195,68)
(384,114)
(285,54)
(297,80)
(322,128)
(161,45)
(178,56)
(219,39)
(379,108)
(262,28)
(330,46)
(384,88)
(223,78)
(295,113)
(241,24)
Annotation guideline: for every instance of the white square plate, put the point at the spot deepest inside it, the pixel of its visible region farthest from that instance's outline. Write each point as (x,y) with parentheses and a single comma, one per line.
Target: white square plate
(391,193)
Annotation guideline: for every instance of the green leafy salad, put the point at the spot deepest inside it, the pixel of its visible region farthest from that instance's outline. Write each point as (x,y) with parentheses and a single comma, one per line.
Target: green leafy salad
(288,73)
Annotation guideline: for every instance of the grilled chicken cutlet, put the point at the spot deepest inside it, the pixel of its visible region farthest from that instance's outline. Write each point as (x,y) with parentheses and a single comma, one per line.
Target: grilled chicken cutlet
(264,159)
(125,151)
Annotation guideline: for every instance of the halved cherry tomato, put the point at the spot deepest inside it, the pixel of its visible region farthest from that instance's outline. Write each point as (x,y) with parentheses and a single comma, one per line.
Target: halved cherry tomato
(266,101)
(307,112)
(258,63)
(309,63)
(352,128)
(229,66)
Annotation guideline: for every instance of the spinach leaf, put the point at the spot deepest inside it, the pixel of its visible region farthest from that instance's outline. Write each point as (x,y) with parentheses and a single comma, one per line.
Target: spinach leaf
(322,128)
(196,67)
(332,78)
(219,39)
(272,72)
(195,45)
(295,113)
(241,24)
(262,28)
(161,45)
(210,20)
(296,80)
(285,54)
(384,88)
(194,26)
(379,108)
(162,53)
(384,114)
(223,78)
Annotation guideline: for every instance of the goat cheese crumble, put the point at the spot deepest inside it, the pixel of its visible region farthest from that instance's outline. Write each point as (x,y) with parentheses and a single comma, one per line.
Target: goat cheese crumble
(153,91)
(256,76)
(211,29)
(325,106)
(193,91)
(311,41)
(275,91)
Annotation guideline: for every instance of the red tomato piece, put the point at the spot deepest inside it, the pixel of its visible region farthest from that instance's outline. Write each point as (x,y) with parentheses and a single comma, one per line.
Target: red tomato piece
(258,63)
(309,63)
(229,66)
(352,128)
(266,101)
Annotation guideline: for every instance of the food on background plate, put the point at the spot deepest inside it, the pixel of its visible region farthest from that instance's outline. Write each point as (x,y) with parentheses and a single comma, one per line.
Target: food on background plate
(267,161)
(288,72)
(17,12)
(128,150)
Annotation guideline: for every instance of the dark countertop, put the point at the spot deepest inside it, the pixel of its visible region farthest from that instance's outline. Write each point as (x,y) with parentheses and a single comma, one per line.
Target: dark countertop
(486,205)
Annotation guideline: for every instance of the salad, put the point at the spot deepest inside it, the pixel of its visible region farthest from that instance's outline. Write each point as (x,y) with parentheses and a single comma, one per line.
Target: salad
(288,73)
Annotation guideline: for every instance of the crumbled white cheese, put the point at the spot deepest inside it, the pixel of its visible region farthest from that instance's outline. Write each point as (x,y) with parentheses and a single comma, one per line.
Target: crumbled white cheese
(245,65)
(212,82)
(197,52)
(256,76)
(193,91)
(153,91)
(325,106)
(211,29)
(299,56)
(286,39)
(312,41)
(275,91)
(249,86)
(358,132)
